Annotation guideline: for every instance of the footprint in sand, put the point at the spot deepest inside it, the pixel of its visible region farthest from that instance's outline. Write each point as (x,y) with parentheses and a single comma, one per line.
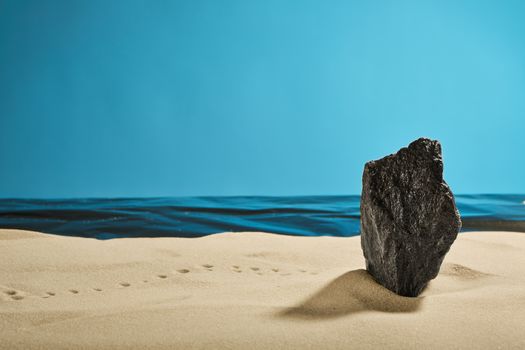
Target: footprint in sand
(183,271)
(236,268)
(13,294)
(162,276)
(275,270)
(73,291)
(97,289)
(255,268)
(51,294)
(208,267)
(125,284)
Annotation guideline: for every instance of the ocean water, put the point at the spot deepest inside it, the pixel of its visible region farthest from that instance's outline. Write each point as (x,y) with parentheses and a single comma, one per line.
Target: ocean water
(106,218)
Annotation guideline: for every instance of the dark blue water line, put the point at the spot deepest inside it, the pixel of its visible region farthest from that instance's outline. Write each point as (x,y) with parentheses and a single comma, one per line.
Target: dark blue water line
(105,218)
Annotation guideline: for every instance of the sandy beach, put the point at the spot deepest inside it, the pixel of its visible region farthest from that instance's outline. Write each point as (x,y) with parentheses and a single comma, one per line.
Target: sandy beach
(251,291)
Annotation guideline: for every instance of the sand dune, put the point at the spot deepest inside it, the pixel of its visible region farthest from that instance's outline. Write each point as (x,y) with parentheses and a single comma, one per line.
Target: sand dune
(251,290)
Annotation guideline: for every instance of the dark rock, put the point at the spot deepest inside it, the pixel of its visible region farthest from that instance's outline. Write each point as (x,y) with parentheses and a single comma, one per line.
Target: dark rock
(409,218)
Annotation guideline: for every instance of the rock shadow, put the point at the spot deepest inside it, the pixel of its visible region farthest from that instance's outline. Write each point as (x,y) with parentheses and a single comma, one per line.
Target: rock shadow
(354,291)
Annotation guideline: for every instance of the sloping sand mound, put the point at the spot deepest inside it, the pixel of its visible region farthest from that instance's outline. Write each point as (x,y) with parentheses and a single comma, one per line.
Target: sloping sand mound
(251,290)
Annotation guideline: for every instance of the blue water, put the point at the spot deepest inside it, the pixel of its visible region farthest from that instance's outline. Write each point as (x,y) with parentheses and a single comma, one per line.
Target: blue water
(199,216)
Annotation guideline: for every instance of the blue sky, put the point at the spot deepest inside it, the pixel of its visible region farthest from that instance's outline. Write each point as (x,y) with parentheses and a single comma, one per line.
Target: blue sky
(178,98)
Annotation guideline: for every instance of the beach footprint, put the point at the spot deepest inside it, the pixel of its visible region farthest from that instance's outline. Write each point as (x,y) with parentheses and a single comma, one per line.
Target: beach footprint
(183,271)
(49,294)
(208,267)
(124,284)
(13,294)
(73,291)
(162,276)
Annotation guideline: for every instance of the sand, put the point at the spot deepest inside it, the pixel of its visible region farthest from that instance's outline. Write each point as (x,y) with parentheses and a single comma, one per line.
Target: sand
(251,291)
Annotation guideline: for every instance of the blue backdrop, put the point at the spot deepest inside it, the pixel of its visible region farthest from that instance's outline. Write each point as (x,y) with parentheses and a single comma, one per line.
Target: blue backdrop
(161,98)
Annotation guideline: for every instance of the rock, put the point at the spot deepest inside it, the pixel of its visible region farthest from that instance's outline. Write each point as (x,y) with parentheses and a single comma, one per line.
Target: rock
(409,218)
